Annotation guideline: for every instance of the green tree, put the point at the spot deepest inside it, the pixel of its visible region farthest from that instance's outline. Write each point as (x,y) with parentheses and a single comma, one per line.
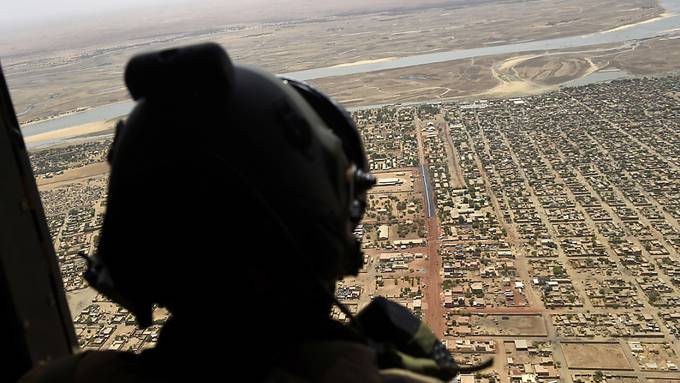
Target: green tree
(558,270)
(598,376)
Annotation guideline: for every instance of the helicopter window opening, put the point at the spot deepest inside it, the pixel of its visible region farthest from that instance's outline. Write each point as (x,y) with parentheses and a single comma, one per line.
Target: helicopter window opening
(527,157)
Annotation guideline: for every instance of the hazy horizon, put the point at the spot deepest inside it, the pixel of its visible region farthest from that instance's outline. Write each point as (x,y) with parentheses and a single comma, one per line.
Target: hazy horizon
(38,25)
(16,15)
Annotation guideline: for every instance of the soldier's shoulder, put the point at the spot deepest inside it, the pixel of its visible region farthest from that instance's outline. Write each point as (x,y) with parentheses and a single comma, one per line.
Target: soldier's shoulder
(92,366)
(339,362)
(396,375)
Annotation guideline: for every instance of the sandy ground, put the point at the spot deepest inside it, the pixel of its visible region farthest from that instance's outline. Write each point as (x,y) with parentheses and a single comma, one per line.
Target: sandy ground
(85,70)
(514,81)
(502,76)
(651,57)
(627,26)
(75,131)
(607,356)
(510,83)
(73,175)
(78,300)
(362,62)
(492,76)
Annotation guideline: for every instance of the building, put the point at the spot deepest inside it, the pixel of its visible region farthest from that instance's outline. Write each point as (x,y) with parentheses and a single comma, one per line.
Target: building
(389,182)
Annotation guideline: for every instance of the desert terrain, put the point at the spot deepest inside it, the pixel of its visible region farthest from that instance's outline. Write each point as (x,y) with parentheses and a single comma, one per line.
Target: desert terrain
(503,76)
(51,74)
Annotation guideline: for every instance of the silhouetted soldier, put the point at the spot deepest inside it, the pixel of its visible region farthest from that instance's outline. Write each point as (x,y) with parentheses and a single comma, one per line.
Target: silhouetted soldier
(232,200)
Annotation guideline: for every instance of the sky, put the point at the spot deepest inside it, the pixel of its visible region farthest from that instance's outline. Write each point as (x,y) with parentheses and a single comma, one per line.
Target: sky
(15,13)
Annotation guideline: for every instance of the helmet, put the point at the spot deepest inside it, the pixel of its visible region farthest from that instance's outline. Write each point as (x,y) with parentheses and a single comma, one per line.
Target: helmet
(222,168)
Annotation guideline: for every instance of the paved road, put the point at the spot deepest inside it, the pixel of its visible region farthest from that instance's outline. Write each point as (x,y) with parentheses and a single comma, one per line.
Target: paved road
(434,312)
(429,199)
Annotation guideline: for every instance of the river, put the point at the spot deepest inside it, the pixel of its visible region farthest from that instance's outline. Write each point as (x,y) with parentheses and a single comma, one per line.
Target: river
(646,30)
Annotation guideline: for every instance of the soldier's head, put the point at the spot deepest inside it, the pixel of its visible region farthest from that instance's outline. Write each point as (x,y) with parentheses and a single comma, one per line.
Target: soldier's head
(227,181)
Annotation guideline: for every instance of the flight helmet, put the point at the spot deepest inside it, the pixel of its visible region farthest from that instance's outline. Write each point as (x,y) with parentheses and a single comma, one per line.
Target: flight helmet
(218,163)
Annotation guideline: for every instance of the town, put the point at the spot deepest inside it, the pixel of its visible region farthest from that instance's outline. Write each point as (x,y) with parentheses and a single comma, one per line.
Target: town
(540,231)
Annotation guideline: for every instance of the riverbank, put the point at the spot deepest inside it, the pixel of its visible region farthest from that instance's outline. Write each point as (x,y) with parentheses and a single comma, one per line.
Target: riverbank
(440,75)
(57,136)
